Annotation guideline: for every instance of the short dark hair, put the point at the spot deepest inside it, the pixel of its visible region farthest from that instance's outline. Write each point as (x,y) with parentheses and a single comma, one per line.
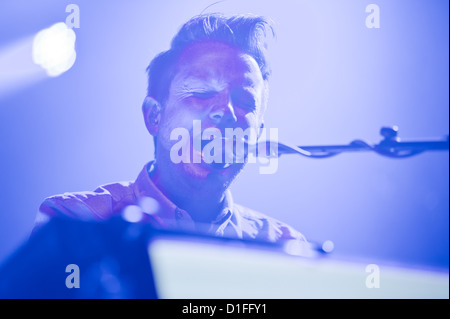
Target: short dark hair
(246,32)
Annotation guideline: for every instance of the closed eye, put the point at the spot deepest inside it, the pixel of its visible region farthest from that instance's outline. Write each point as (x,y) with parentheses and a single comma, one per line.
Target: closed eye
(246,104)
(249,105)
(244,99)
(204,95)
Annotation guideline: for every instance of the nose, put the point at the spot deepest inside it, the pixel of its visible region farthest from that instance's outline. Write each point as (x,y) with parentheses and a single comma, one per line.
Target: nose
(223,114)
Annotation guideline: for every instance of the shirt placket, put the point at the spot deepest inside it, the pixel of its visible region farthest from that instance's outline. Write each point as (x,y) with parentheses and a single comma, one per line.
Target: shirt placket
(183,220)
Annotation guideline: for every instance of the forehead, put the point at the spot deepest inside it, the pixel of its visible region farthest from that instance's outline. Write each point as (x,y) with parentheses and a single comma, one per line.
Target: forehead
(217,62)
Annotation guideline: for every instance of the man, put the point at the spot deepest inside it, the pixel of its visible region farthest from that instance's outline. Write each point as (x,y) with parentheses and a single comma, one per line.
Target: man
(215,74)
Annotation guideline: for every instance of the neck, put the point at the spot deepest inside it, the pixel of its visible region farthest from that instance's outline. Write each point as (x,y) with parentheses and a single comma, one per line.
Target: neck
(202,204)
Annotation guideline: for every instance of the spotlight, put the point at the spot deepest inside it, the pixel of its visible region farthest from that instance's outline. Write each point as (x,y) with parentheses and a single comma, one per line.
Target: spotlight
(54,49)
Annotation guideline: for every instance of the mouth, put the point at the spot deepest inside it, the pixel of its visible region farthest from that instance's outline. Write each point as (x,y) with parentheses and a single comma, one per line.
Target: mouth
(229,152)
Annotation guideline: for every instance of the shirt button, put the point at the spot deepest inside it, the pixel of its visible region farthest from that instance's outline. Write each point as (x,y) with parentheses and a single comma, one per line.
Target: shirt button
(178,214)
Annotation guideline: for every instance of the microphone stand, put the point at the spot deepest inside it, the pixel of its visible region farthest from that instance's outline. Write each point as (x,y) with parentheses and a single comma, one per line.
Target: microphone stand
(391,146)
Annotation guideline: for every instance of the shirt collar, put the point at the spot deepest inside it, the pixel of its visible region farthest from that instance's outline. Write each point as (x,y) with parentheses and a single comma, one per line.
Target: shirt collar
(168,215)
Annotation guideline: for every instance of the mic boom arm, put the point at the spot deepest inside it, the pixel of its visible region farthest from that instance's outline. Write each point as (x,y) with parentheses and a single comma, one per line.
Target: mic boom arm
(390,146)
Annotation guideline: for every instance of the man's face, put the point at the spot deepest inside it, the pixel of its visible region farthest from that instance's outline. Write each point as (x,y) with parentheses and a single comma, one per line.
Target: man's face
(221,87)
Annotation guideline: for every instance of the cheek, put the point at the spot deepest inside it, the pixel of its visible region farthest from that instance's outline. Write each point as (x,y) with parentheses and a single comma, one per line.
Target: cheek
(175,117)
(169,123)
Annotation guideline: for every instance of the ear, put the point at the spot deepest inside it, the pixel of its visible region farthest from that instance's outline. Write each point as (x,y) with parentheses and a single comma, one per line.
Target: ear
(151,110)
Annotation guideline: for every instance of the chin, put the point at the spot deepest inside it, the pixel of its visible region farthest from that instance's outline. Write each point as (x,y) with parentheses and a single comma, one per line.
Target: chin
(209,175)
